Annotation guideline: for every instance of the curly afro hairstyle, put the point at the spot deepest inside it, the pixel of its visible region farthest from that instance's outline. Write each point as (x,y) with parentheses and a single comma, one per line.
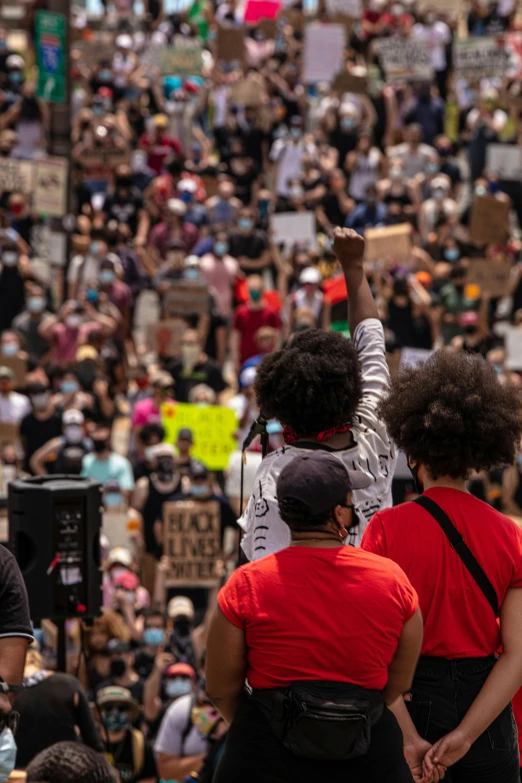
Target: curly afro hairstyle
(70,762)
(453,415)
(311,384)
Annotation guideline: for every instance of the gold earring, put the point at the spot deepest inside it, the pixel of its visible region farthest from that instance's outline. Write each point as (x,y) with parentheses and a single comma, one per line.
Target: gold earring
(342,535)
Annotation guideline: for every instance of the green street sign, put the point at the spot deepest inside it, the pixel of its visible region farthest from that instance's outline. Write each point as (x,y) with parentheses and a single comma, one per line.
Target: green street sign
(51,31)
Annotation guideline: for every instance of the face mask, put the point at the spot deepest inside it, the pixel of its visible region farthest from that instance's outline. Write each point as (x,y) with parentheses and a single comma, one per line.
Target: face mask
(295,133)
(493,188)
(165,469)
(73,321)
(106,276)
(180,686)
(16,78)
(190,353)
(192,273)
(255,295)
(205,719)
(117,668)
(347,123)
(40,401)
(432,168)
(451,254)
(7,754)
(182,627)
(68,387)
(36,304)
(97,110)
(220,248)
(438,194)
(9,349)
(186,197)
(480,190)
(153,637)
(470,330)
(105,75)
(296,192)
(395,173)
(115,721)
(99,446)
(111,499)
(246,224)
(123,182)
(9,258)
(116,572)
(199,490)
(415,473)
(142,383)
(92,295)
(73,433)
(94,248)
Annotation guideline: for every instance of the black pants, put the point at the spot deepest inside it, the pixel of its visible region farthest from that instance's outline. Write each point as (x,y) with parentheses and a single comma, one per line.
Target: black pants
(254,755)
(443,691)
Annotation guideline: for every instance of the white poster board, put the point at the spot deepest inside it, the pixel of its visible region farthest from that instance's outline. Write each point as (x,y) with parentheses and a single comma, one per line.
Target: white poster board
(351,8)
(323,52)
(513,343)
(291,227)
(505,160)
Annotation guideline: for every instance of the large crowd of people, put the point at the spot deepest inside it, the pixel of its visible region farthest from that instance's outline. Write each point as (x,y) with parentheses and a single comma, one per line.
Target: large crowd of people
(260,230)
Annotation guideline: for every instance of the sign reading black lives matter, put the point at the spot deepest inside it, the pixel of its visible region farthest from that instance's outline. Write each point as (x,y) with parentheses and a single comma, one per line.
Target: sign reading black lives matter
(192,542)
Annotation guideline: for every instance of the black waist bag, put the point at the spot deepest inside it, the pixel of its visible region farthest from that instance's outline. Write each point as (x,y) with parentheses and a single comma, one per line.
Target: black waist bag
(330,721)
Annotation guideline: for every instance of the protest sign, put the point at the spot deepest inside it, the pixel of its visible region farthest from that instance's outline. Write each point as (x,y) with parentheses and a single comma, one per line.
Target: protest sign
(93,51)
(351,8)
(491,276)
(404,58)
(164,338)
(50,45)
(230,43)
(50,187)
(268,27)
(347,81)
(489,220)
(119,527)
(323,52)
(183,58)
(192,542)
(294,17)
(213,428)
(18,366)
(388,242)
(256,10)
(290,227)
(505,160)
(413,357)
(248,91)
(187,297)
(8,432)
(513,344)
(513,49)
(476,57)
(440,6)
(16,175)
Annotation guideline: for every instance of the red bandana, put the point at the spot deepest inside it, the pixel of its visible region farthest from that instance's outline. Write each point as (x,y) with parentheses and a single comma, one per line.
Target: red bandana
(290,436)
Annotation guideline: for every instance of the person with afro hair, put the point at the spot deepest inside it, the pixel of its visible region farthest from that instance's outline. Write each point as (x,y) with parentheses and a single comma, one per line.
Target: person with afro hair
(70,762)
(324,390)
(452,416)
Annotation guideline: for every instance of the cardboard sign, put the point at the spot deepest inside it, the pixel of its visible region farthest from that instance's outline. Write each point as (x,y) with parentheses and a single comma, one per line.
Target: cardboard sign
(268,27)
(294,18)
(16,175)
(476,57)
(349,82)
(492,276)
(248,91)
(186,297)
(230,43)
(18,366)
(192,542)
(94,51)
(505,160)
(290,227)
(8,432)
(213,428)
(257,10)
(323,52)
(164,338)
(50,190)
(404,58)
(388,242)
(451,7)
(352,8)
(489,220)
(513,344)
(183,58)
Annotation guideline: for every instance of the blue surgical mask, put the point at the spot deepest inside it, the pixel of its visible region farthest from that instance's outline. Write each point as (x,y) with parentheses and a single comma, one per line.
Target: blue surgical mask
(493,188)
(432,168)
(192,273)
(186,196)
(480,190)
(153,637)
(199,490)
(16,77)
(91,295)
(245,224)
(9,258)
(177,687)
(94,248)
(116,721)
(112,499)
(347,123)
(68,387)
(255,295)
(296,133)
(106,276)
(7,754)
(36,304)
(221,248)
(451,254)
(98,110)
(105,75)
(9,349)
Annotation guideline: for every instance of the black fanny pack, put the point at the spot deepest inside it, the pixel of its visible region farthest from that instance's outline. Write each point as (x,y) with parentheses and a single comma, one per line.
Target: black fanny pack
(330,721)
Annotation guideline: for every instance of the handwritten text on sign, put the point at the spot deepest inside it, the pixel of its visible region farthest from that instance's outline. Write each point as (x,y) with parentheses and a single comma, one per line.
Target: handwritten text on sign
(192,542)
(212,426)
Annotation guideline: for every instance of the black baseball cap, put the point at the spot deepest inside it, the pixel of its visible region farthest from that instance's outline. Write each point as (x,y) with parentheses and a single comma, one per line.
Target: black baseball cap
(318,480)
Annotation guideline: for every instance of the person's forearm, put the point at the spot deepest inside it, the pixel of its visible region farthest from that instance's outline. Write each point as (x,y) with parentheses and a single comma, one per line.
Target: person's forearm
(179,768)
(399,709)
(361,304)
(228,706)
(151,694)
(498,690)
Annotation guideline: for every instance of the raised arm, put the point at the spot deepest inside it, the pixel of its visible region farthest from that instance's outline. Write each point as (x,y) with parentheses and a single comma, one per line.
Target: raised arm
(349,249)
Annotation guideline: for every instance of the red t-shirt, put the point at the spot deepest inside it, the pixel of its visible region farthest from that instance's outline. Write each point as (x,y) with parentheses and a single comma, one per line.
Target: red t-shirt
(247,322)
(159,150)
(319,614)
(458,620)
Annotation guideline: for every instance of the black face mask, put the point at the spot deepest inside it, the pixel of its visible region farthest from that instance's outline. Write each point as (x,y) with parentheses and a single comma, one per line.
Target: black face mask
(419,488)
(165,470)
(117,668)
(99,446)
(123,182)
(182,627)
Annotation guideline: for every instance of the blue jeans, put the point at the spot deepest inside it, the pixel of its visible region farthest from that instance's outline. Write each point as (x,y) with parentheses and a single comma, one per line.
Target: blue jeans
(442,693)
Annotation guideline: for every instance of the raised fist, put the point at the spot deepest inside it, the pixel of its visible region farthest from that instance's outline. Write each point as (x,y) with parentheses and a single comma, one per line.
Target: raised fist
(348,246)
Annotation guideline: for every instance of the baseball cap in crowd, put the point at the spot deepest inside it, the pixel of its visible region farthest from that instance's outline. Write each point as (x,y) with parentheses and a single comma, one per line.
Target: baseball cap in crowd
(186,433)
(120,555)
(177,207)
(124,41)
(160,120)
(163,379)
(180,670)
(116,695)
(118,646)
(247,377)
(198,470)
(311,275)
(180,606)
(319,481)
(71,417)
(469,318)
(6,374)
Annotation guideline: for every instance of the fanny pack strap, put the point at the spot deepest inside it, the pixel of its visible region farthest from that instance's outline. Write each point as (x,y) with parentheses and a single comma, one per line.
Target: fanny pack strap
(461,548)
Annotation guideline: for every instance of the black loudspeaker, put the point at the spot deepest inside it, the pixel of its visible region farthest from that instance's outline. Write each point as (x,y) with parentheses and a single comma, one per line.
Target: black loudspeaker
(54,534)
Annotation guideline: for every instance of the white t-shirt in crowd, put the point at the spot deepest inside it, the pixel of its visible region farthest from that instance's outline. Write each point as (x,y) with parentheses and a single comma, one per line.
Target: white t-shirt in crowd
(14,407)
(289,157)
(415,161)
(373,453)
(437,36)
(173,727)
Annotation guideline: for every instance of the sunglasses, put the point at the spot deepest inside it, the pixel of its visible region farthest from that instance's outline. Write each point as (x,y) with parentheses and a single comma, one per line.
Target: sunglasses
(121,708)
(9,720)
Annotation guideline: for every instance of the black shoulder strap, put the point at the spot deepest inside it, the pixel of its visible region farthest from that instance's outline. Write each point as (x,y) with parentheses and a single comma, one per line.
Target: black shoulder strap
(188,726)
(461,548)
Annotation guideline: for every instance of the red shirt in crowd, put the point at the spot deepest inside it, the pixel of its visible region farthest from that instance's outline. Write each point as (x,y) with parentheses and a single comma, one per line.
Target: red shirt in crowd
(158,150)
(458,620)
(319,614)
(247,321)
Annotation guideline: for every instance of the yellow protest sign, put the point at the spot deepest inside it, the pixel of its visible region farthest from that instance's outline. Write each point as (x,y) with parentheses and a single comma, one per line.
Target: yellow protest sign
(212,426)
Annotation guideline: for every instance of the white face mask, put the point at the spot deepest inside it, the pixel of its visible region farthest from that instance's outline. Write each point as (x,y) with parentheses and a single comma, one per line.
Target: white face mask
(41,401)
(73,321)
(149,453)
(74,433)
(7,754)
(190,354)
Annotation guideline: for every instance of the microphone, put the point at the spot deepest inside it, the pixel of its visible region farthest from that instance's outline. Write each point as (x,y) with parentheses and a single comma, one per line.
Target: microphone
(258,428)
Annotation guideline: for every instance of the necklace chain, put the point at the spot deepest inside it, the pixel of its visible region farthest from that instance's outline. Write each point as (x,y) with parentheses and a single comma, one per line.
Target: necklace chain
(312,541)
